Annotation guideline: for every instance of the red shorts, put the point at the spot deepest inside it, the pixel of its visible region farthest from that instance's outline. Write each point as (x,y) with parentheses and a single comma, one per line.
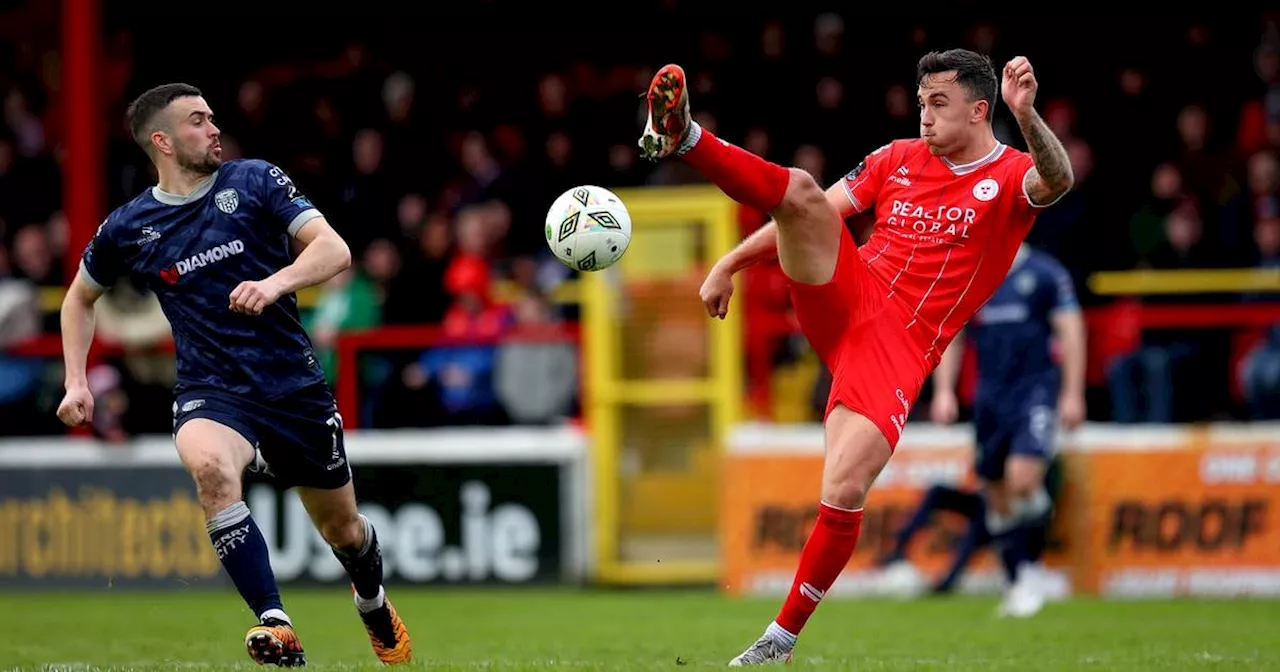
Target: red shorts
(860,334)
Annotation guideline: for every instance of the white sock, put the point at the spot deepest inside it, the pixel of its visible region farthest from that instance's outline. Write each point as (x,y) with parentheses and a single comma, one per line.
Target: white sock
(780,636)
(367,604)
(1032,506)
(695,134)
(998,524)
(275,613)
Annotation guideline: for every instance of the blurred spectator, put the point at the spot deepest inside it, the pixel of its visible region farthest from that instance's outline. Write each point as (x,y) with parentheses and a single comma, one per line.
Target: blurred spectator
(1260,368)
(1143,383)
(1205,167)
(1259,124)
(461,372)
(348,302)
(1146,227)
(1259,199)
(536,382)
(19,375)
(142,378)
(414,295)
(33,259)
(351,301)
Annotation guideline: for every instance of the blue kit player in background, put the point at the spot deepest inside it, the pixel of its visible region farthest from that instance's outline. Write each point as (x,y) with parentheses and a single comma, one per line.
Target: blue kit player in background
(1022,396)
(213,241)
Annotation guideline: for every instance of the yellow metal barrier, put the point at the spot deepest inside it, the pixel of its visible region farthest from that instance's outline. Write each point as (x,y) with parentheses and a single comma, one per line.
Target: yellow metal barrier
(1185,281)
(663,387)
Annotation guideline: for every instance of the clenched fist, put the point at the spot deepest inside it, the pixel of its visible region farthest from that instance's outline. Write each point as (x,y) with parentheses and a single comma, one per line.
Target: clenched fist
(253,296)
(76,409)
(1019,85)
(715,292)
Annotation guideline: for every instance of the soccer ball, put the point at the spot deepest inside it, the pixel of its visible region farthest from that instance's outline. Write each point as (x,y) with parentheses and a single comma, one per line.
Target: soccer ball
(588,228)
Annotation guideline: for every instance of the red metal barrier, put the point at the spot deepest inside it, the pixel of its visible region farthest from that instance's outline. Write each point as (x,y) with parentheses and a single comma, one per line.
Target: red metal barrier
(348,347)
(1112,330)
(423,337)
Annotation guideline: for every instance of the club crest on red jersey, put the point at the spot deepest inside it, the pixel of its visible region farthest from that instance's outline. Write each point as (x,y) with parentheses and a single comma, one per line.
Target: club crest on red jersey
(986,190)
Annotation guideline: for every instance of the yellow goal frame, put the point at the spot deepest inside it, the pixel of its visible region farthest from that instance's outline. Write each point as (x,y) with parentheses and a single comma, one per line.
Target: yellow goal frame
(716,217)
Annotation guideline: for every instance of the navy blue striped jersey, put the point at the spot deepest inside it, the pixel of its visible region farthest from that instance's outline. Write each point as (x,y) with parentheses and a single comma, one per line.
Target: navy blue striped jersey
(192,251)
(1013,332)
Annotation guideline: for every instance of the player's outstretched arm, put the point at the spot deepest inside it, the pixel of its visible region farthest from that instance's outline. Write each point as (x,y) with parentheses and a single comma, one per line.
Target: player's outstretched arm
(759,246)
(718,287)
(77,315)
(1051,177)
(324,254)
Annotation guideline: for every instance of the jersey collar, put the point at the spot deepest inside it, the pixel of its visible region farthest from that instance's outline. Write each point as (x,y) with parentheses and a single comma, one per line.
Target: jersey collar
(965,168)
(196,194)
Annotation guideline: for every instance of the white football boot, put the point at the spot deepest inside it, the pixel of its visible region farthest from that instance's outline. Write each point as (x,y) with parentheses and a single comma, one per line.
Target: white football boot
(1026,597)
(766,651)
(669,120)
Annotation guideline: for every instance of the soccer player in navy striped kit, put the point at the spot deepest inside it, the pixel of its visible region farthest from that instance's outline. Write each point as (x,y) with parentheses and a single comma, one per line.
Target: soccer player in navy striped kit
(214,241)
(1023,395)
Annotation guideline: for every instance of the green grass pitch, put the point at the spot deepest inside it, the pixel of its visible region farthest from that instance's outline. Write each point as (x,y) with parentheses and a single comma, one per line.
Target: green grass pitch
(547,629)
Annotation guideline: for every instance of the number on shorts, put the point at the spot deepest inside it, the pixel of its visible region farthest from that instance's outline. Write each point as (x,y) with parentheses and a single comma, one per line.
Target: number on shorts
(1042,423)
(336,423)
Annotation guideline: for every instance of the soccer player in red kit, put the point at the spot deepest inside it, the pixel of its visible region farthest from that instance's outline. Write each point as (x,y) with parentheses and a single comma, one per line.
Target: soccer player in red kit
(951,208)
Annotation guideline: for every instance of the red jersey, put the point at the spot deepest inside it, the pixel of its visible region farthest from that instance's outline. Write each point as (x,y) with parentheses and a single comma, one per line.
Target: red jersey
(945,234)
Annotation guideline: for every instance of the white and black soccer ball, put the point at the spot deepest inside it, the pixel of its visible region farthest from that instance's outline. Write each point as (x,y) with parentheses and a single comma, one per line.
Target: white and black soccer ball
(588,228)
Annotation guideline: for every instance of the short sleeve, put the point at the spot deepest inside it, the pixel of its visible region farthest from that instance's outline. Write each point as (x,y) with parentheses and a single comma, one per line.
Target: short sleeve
(1064,290)
(102,263)
(286,205)
(1023,168)
(862,184)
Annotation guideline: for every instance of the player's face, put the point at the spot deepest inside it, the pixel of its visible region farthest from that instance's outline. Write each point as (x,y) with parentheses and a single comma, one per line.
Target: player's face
(196,142)
(947,116)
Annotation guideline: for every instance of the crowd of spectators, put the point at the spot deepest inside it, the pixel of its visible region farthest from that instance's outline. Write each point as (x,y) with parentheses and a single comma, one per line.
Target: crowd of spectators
(436,163)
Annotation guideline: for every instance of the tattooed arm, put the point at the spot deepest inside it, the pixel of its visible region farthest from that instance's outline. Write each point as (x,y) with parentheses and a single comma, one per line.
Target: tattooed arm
(1051,177)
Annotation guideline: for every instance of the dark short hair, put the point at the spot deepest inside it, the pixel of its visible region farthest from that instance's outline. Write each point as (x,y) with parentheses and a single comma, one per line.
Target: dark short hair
(973,71)
(145,108)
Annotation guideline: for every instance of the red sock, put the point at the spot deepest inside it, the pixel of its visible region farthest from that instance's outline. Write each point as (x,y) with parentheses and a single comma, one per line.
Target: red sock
(825,554)
(741,175)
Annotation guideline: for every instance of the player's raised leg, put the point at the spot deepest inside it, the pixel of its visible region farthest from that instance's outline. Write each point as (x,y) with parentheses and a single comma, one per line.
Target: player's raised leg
(857,451)
(355,543)
(809,227)
(216,456)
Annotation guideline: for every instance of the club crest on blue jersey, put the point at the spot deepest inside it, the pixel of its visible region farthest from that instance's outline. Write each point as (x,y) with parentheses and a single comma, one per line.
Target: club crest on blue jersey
(227,200)
(1025,282)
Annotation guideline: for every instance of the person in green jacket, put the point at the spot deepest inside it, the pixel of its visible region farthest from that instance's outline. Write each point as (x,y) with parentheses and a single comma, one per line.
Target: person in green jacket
(349,302)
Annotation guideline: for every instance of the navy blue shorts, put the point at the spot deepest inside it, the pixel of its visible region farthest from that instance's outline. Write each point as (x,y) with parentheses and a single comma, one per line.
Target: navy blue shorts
(299,436)
(1026,428)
